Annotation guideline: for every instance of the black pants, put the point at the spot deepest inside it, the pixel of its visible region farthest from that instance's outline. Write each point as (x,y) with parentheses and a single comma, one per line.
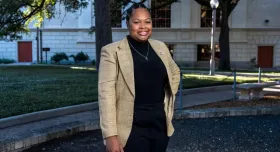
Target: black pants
(149,132)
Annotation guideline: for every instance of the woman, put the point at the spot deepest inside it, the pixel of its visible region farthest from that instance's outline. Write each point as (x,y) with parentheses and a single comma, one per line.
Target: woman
(138,81)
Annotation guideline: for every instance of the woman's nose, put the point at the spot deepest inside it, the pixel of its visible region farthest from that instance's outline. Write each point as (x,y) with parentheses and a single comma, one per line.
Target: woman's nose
(142,25)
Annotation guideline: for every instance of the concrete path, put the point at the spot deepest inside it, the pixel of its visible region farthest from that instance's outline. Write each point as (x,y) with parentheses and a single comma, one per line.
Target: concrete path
(17,64)
(203,98)
(215,96)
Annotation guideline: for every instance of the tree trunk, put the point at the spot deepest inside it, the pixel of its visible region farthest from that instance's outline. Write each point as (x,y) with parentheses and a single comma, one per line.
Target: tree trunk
(103,30)
(224,63)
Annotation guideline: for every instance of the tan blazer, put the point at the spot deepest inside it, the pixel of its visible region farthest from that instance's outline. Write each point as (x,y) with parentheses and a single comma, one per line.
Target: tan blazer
(116,90)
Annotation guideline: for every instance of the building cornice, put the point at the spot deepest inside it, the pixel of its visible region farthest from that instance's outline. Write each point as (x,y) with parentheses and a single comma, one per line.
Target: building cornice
(158,29)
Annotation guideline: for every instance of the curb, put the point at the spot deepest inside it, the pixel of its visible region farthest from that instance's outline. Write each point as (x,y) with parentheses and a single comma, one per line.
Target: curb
(226,112)
(46,114)
(20,145)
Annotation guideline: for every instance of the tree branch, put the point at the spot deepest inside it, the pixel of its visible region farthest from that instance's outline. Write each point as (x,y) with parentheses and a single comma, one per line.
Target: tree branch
(232,4)
(166,3)
(33,12)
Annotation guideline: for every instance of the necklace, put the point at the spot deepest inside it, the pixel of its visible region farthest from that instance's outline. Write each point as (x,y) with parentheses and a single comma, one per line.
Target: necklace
(146,57)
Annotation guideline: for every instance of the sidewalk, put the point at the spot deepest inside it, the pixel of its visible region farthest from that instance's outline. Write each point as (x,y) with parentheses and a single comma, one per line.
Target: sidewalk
(203,98)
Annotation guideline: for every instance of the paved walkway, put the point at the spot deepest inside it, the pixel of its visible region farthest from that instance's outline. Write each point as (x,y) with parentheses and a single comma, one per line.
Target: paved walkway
(203,98)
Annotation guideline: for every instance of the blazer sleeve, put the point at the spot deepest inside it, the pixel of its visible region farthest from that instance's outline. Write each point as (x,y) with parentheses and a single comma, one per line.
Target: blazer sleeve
(106,92)
(175,71)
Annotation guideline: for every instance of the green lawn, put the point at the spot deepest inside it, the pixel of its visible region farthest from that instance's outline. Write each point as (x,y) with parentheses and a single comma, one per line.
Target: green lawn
(196,80)
(26,89)
(240,71)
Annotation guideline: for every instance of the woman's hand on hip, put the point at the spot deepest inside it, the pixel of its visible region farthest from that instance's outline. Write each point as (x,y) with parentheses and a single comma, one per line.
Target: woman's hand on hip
(113,144)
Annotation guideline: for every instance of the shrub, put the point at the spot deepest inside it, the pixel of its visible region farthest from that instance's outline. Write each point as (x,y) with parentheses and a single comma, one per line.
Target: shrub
(6,61)
(253,63)
(57,57)
(81,56)
(93,62)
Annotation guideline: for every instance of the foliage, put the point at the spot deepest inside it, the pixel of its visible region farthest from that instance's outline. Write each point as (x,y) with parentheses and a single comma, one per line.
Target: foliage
(93,62)
(253,63)
(15,15)
(57,57)
(6,61)
(81,56)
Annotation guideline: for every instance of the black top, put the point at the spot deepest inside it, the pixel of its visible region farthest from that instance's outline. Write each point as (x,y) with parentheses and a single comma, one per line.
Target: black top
(150,75)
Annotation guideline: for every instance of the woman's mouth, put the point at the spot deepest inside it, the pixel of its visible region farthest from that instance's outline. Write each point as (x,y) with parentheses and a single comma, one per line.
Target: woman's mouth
(143,33)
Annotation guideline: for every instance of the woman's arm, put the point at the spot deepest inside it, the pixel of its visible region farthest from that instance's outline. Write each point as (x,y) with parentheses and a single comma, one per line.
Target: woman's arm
(174,70)
(106,92)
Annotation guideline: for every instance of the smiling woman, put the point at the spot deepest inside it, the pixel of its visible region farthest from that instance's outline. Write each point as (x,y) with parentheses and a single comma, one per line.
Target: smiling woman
(138,80)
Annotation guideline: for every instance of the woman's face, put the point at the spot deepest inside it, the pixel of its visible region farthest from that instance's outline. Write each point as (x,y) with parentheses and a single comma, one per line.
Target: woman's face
(140,25)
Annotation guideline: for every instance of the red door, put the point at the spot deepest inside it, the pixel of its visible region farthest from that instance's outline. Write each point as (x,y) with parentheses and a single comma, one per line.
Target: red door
(25,51)
(265,56)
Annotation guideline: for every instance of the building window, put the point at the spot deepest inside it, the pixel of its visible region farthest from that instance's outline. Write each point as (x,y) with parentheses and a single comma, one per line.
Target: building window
(161,16)
(204,52)
(116,14)
(206,17)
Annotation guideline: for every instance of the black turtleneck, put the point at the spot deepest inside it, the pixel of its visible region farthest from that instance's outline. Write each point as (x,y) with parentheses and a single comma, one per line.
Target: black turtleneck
(150,75)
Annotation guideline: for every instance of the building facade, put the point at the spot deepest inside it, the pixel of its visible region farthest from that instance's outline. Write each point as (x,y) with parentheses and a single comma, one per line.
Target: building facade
(184,26)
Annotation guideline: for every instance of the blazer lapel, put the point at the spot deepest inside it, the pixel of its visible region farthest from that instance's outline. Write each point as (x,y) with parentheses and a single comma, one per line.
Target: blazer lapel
(126,64)
(160,52)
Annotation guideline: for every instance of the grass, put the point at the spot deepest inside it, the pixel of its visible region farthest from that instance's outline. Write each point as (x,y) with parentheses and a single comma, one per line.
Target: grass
(197,80)
(241,71)
(26,89)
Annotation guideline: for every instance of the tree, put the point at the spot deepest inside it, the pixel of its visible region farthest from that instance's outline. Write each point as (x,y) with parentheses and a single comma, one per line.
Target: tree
(226,6)
(15,15)
(105,12)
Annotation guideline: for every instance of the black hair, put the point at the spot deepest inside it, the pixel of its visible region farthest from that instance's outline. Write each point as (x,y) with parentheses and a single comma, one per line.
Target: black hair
(133,7)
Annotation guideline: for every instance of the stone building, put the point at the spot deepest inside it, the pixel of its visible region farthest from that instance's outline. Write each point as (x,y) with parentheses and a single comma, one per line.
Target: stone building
(185,27)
